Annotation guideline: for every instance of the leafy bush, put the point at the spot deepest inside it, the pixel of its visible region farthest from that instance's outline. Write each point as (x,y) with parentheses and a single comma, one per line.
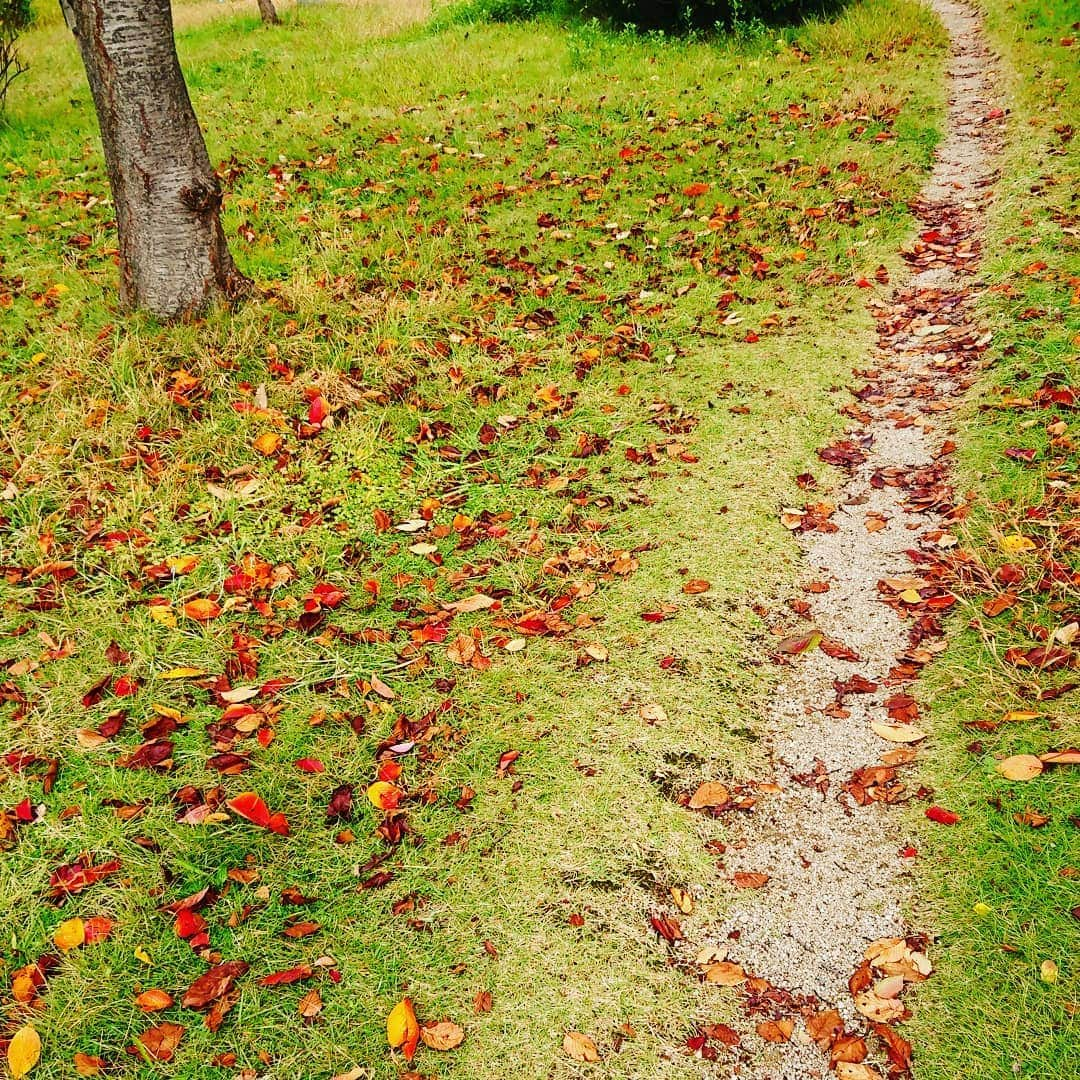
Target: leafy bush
(676,16)
(15,17)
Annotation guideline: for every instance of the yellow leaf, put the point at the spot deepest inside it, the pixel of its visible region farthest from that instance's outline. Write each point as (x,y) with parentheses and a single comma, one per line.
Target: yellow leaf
(268,443)
(23,1051)
(1048,971)
(1014,544)
(70,934)
(142,954)
(899,733)
(182,564)
(164,614)
(911,596)
(1020,767)
(182,673)
(982,909)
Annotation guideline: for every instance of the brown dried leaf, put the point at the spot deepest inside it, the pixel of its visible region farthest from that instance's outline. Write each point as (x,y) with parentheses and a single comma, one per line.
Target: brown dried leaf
(580,1047)
(445,1035)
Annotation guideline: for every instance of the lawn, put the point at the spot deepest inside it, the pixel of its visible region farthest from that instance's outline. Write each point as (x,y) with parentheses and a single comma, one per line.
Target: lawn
(478,497)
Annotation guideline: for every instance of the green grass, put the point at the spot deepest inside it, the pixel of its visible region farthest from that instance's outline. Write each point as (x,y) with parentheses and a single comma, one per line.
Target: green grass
(987,1012)
(442,226)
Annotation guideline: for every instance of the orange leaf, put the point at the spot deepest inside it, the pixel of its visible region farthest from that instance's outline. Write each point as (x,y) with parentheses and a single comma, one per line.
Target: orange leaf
(153,1000)
(402,1028)
(202,610)
(70,934)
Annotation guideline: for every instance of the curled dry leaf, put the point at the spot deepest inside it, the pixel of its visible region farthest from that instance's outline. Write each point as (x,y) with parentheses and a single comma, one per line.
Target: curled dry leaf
(823,1027)
(580,1047)
(445,1035)
(88,1064)
(876,1008)
(709,794)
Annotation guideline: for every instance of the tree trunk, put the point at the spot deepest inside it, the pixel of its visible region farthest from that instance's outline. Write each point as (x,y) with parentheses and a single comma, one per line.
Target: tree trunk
(173,256)
(268,12)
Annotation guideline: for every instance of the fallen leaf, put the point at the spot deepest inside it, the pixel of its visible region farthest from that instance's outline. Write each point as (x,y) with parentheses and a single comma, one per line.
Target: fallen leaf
(444,1035)
(725,973)
(942,816)
(268,443)
(311,1004)
(897,733)
(70,934)
(402,1029)
(1020,767)
(24,1050)
(848,1070)
(695,586)
(153,1000)
(1015,543)
(750,879)
(709,794)
(159,1042)
(776,1031)
(580,1047)
(202,610)
(1048,971)
(212,984)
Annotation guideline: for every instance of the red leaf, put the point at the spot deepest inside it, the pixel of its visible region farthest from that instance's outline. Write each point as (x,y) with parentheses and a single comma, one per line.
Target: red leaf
(284,978)
(942,816)
(248,805)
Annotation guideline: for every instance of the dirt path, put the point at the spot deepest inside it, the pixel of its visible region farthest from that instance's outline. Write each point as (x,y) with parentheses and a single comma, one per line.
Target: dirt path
(830,841)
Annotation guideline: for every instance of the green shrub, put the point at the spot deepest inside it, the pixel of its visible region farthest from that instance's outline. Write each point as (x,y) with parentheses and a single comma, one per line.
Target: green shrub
(674,16)
(15,17)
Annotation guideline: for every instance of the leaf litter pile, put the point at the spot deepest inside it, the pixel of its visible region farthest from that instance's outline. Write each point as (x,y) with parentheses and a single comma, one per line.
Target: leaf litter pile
(269,625)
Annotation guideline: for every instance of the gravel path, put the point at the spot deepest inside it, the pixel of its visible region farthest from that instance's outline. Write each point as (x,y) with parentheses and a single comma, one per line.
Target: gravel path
(832,840)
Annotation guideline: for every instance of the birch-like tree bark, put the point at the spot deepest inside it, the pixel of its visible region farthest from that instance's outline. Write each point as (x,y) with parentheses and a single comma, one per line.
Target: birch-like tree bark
(173,257)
